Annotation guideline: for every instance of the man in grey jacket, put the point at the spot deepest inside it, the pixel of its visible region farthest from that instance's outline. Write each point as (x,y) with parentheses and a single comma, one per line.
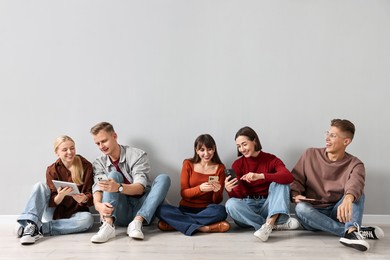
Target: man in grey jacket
(122,190)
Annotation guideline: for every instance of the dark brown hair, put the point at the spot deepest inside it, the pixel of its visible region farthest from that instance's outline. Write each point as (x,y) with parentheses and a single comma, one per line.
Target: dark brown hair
(345,126)
(208,141)
(251,135)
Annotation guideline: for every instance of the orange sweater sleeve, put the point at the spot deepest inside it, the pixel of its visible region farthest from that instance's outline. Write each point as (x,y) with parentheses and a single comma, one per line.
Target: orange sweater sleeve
(187,180)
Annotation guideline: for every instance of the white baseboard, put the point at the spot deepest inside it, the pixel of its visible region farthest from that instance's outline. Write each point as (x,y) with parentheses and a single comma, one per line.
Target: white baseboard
(9,219)
(367,219)
(376,219)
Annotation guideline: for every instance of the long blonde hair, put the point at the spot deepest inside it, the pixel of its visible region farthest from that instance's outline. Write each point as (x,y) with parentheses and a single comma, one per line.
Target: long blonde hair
(76,169)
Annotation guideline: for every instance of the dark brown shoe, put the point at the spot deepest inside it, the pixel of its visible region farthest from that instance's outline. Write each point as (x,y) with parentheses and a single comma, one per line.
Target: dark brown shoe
(222,226)
(163,226)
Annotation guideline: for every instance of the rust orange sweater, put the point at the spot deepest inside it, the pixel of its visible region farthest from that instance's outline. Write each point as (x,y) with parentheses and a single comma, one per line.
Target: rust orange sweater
(190,182)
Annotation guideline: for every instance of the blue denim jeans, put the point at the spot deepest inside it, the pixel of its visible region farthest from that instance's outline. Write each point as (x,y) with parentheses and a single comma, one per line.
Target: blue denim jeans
(254,212)
(325,219)
(37,205)
(127,207)
(188,220)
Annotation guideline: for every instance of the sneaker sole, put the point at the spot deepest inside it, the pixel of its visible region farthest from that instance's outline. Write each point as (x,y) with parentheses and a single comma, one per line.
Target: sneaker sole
(30,241)
(101,242)
(359,247)
(136,236)
(27,243)
(261,238)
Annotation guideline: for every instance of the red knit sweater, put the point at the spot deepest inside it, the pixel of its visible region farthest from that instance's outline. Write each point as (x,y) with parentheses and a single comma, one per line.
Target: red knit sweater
(271,166)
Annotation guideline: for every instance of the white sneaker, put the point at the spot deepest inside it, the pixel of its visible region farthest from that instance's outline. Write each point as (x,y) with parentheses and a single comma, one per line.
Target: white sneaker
(264,232)
(134,230)
(291,224)
(105,233)
(18,230)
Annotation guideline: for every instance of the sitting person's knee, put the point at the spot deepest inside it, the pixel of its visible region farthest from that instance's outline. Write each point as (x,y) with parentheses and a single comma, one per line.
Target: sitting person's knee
(302,208)
(85,220)
(164,178)
(116,176)
(231,204)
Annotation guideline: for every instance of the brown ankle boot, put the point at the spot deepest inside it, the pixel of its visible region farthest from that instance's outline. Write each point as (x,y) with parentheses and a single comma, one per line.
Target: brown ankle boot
(221,226)
(163,226)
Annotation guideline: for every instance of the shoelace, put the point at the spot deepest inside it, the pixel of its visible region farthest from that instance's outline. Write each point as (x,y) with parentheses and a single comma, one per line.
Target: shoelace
(358,233)
(29,229)
(367,234)
(267,228)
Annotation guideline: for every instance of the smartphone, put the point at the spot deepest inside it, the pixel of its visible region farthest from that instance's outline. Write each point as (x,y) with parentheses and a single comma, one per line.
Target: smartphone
(230,172)
(102,177)
(213,178)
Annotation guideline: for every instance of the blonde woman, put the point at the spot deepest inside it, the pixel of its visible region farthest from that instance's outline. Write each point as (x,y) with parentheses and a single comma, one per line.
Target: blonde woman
(70,212)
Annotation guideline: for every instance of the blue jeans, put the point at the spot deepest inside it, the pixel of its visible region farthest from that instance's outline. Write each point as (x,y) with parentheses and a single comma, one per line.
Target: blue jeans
(38,204)
(254,212)
(188,220)
(127,207)
(325,219)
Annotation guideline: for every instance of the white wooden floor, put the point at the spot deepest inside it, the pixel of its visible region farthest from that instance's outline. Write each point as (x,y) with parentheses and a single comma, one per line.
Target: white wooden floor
(235,244)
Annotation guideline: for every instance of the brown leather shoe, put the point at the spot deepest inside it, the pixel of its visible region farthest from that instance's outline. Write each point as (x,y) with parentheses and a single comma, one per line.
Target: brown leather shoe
(163,226)
(222,226)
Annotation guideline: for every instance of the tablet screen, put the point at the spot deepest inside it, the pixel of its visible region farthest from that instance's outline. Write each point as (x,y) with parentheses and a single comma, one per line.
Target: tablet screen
(63,184)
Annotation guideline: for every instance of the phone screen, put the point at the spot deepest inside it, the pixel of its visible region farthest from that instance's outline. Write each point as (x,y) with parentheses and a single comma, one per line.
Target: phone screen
(230,172)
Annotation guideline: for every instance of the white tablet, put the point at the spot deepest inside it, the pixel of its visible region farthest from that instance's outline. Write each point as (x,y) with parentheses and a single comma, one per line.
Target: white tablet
(67,184)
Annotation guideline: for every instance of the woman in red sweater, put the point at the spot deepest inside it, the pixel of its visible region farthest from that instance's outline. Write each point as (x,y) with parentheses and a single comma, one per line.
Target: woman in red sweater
(260,195)
(202,183)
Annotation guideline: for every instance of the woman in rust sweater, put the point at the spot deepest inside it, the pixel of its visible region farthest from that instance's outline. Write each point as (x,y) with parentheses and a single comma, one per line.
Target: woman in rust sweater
(202,183)
(71,212)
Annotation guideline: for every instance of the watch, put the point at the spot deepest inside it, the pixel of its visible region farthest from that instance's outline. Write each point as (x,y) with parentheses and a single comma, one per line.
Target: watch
(120,189)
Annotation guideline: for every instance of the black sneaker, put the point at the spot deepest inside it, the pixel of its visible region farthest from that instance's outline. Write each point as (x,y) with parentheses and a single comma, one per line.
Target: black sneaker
(373,232)
(30,234)
(354,240)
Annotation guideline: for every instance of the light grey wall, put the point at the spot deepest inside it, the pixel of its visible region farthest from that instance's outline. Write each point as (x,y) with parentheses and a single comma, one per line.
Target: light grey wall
(164,72)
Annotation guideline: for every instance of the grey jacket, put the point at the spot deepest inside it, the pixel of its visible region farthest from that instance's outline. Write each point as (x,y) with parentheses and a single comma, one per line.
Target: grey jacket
(133,163)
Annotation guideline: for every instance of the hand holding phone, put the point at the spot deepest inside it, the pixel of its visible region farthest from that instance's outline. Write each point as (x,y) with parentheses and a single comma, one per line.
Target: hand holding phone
(232,182)
(230,172)
(102,177)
